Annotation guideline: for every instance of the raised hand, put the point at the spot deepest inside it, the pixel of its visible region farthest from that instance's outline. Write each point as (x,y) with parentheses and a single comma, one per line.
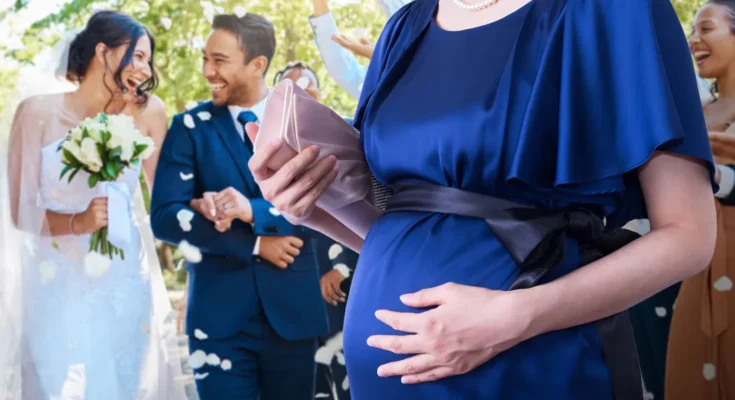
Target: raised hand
(280,250)
(295,187)
(364,48)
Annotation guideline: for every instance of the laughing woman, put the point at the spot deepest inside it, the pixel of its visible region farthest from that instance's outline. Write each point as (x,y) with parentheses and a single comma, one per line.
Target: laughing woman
(490,275)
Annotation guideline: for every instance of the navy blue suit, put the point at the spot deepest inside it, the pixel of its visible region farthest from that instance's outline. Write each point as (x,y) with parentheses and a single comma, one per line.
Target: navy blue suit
(261,319)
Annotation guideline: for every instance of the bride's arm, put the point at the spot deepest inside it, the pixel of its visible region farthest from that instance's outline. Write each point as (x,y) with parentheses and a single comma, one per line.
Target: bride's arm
(24,176)
(156,125)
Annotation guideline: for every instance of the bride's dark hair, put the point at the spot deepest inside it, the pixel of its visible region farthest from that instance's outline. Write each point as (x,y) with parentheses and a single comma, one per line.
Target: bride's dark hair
(113,29)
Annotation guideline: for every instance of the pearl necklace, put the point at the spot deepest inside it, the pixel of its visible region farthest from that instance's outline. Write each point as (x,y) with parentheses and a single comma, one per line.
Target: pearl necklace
(474,7)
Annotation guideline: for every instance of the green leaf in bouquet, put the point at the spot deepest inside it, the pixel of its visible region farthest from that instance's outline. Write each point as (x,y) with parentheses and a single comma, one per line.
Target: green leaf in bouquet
(115,153)
(139,149)
(69,157)
(85,134)
(73,174)
(93,179)
(106,136)
(64,171)
(102,117)
(136,162)
(111,170)
(105,175)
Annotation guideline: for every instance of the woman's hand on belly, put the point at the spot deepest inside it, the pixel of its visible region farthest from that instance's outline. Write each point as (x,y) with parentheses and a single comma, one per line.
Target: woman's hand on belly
(469,326)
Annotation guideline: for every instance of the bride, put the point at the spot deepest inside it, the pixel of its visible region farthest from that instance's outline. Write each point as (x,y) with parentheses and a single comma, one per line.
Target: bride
(72,326)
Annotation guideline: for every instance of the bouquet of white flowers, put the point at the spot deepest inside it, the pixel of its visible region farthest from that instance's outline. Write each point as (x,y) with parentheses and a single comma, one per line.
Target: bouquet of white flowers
(104,146)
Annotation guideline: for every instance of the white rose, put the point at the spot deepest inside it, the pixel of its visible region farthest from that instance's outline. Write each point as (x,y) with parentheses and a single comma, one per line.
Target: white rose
(73,148)
(90,156)
(95,129)
(76,134)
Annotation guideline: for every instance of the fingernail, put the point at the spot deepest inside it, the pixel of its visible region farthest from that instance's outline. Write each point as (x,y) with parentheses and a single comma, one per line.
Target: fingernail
(381,372)
(276,143)
(405,297)
(370,341)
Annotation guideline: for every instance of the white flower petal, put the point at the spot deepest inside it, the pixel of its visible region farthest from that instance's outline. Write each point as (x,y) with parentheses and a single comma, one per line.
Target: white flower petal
(213,359)
(303,82)
(184,217)
(96,265)
(47,270)
(180,265)
(340,358)
(190,253)
(709,372)
(334,251)
(274,212)
(226,365)
(199,334)
(166,22)
(321,396)
(186,177)
(724,284)
(204,116)
(197,359)
(324,356)
(191,105)
(345,384)
(661,311)
(648,396)
(239,11)
(343,269)
(201,376)
(189,121)
(197,42)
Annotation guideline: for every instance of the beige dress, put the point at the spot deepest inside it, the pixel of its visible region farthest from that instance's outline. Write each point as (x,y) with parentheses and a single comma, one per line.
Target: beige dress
(701,351)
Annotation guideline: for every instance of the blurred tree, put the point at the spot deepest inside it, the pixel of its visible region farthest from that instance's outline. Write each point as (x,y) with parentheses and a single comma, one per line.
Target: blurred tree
(181,28)
(686,10)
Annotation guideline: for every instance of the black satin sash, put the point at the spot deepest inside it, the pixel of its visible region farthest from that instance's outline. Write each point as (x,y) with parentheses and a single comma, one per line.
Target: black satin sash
(535,240)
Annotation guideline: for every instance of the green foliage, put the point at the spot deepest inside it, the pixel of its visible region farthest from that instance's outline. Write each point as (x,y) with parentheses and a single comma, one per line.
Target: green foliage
(178,58)
(686,10)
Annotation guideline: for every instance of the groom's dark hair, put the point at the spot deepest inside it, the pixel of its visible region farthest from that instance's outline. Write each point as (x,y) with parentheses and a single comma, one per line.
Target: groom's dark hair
(256,35)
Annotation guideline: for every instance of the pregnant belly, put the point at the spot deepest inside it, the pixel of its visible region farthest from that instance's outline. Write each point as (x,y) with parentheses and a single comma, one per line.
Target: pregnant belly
(407,252)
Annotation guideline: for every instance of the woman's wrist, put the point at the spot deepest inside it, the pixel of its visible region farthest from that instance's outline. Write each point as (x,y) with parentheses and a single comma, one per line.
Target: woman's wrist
(535,310)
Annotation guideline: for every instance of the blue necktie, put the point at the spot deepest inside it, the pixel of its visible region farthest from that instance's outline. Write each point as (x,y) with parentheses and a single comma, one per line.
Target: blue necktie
(243,118)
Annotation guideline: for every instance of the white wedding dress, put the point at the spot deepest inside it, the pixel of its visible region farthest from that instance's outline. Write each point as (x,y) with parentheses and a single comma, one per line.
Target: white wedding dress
(90,332)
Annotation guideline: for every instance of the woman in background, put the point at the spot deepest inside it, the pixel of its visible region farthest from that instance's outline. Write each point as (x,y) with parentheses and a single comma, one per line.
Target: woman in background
(701,352)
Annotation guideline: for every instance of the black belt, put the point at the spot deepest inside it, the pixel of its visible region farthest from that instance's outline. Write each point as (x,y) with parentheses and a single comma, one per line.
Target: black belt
(535,240)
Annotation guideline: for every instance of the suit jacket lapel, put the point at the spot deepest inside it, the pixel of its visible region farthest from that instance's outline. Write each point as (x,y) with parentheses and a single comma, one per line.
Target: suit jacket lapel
(227,131)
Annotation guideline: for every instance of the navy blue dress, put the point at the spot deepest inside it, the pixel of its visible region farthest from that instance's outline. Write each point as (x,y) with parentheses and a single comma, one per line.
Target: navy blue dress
(555,106)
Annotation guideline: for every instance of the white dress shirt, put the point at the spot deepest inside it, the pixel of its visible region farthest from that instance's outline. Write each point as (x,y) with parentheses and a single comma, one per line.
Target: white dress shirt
(341,64)
(390,7)
(258,110)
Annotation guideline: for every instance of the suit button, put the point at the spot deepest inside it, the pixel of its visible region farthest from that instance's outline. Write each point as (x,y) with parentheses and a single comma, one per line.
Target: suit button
(257,259)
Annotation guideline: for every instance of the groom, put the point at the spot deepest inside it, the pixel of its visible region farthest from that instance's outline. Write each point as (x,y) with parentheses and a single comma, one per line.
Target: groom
(255,308)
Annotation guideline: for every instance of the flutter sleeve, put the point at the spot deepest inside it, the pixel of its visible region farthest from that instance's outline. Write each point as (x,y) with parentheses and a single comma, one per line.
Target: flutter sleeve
(626,87)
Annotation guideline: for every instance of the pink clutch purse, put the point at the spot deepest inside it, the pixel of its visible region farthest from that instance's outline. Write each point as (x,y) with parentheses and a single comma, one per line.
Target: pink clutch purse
(300,121)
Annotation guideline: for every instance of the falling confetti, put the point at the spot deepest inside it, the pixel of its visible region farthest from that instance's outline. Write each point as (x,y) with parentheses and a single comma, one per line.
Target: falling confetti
(191,105)
(303,82)
(166,22)
(199,334)
(661,311)
(213,359)
(180,265)
(343,269)
(184,217)
(55,245)
(334,251)
(190,253)
(96,265)
(186,177)
(321,396)
(197,359)
(48,271)
(204,116)
(239,11)
(708,370)
(226,365)
(201,376)
(723,284)
(345,384)
(274,212)
(189,121)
